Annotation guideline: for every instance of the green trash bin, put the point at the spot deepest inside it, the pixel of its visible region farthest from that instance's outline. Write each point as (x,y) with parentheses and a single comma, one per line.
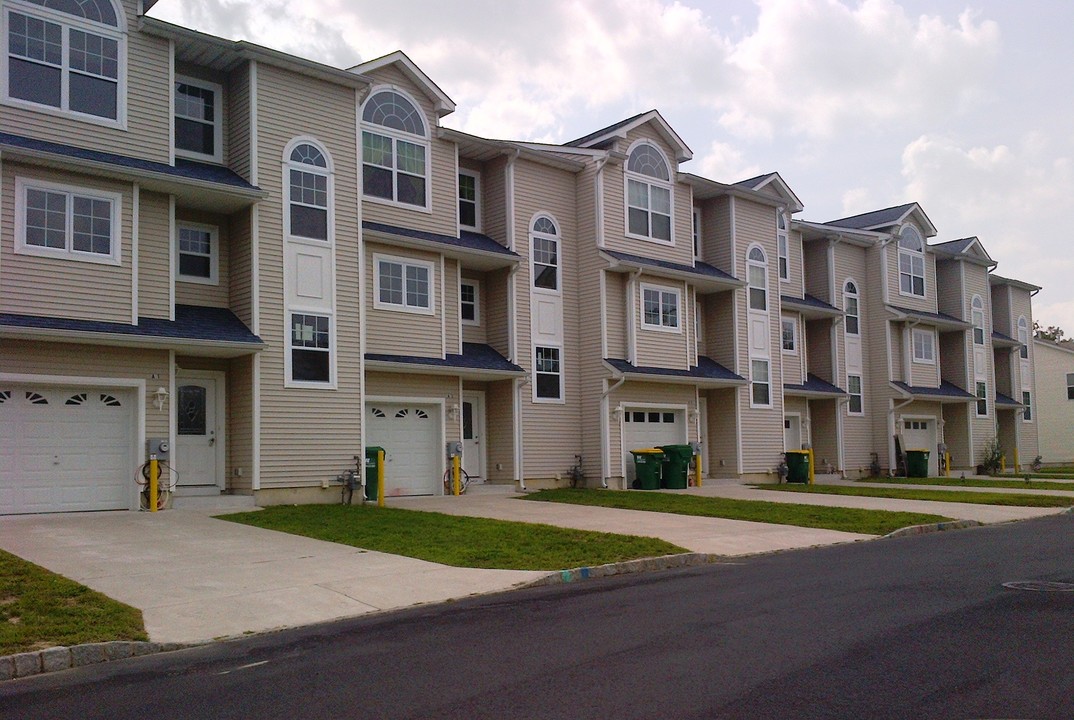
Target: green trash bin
(917,463)
(647,463)
(675,470)
(372,465)
(797,466)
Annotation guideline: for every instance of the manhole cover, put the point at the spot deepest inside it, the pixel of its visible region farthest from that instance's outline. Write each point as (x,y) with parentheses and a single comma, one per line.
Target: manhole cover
(1040,586)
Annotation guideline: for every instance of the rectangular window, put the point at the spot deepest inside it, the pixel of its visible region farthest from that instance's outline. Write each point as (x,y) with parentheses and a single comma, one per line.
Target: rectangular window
(403,285)
(649,210)
(758,287)
(548,374)
(545,263)
(784,258)
(310,348)
(911,274)
(393,169)
(198,249)
(697,233)
(854,407)
(309,205)
(790,335)
(198,119)
(468,304)
(54,220)
(468,200)
(1027,400)
(982,399)
(660,308)
(924,348)
(978,328)
(1070,386)
(760,384)
(852,318)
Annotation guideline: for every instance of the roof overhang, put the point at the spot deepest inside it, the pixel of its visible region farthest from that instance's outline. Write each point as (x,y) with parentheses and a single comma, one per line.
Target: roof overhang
(637,376)
(940,323)
(798,391)
(418,368)
(782,189)
(200,348)
(705,189)
(471,258)
(994,279)
(1002,341)
(484,150)
(666,132)
(972,252)
(937,397)
(819,231)
(809,311)
(705,284)
(441,102)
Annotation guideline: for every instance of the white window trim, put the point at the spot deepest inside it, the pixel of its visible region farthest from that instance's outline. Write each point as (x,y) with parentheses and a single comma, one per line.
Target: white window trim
(405,262)
(768,382)
(328,172)
(214,253)
(924,273)
(1023,338)
(562,399)
(1070,385)
(783,250)
(696,232)
(648,180)
(860,394)
(977,404)
(1032,409)
(678,308)
(477,302)
(794,327)
(914,332)
(332,350)
(396,135)
(118,34)
(857,297)
(764,266)
(218,122)
(476,227)
(559,256)
(68,253)
(975,315)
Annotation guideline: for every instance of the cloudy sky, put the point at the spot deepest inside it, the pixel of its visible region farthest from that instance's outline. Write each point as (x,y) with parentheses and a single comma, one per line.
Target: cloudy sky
(965,107)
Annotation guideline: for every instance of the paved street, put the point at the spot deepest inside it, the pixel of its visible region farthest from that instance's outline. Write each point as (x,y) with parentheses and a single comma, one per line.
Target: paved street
(915,627)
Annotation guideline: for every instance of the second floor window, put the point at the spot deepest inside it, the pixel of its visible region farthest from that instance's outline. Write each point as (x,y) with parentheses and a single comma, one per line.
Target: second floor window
(660,308)
(781,241)
(924,347)
(469,308)
(67,222)
(982,399)
(198,253)
(403,284)
(854,407)
(757,274)
(198,127)
(309,193)
(648,194)
(911,263)
(394,150)
(850,304)
(468,200)
(545,254)
(790,335)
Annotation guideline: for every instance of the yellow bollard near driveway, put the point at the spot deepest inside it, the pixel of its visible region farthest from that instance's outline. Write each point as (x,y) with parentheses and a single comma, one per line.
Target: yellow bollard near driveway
(455,475)
(154,482)
(812,470)
(380,478)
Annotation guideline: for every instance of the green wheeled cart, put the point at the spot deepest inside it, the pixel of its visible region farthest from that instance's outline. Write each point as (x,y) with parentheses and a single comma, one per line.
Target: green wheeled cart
(917,463)
(372,471)
(676,467)
(647,462)
(797,466)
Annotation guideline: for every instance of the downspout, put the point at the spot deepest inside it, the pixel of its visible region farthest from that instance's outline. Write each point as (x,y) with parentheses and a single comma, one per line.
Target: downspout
(605,449)
(891,428)
(598,194)
(632,335)
(519,475)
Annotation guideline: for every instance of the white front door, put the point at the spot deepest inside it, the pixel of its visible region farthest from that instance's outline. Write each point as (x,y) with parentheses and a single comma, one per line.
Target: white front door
(473,435)
(792,432)
(199,451)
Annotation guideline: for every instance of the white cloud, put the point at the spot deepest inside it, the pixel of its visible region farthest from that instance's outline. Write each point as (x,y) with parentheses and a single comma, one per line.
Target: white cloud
(724,163)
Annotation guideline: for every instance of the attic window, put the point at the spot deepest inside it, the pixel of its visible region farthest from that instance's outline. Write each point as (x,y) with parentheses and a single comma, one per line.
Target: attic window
(648,189)
(911,263)
(395,150)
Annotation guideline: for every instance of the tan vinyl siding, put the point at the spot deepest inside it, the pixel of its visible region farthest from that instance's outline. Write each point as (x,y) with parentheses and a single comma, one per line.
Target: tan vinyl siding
(450,307)
(824,435)
(476,333)
(949,296)
(148,94)
(615,305)
(493,204)
(500,431)
(793,363)
(984,428)
(62,287)
(818,348)
(395,332)
(722,436)
(720,328)
(240,424)
(815,264)
(188,293)
(898,357)
(956,431)
(240,262)
(716,234)
(926,374)
(1001,312)
(154,256)
(659,348)
(494,311)
(952,355)
(927,303)
(795,283)
(1021,304)
(1055,411)
(238,114)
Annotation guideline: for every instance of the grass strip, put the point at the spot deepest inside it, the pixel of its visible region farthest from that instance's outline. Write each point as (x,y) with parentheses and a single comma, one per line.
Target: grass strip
(854,520)
(974,482)
(40,609)
(976,498)
(456,540)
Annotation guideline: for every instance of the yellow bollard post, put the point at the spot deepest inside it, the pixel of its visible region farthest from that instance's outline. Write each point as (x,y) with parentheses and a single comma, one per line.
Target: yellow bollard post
(455,475)
(947,464)
(154,482)
(1016,463)
(1003,463)
(811,468)
(380,478)
(697,470)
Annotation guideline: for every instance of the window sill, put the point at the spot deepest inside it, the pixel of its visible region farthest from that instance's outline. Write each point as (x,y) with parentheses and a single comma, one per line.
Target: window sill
(117,124)
(199,157)
(396,204)
(655,241)
(194,280)
(662,328)
(68,255)
(388,307)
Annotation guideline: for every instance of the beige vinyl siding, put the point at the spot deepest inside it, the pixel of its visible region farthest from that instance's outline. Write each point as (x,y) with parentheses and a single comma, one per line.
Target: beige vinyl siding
(815,270)
(188,293)
(984,428)
(716,234)
(493,200)
(1056,412)
(793,363)
(154,256)
(307,435)
(1001,312)
(659,348)
(500,431)
(952,354)
(238,114)
(1002,365)
(721,443)
(898,357)
(395,332)
(1021,304)
(62,287)
(494,306)
(240,265)
(849,263)
(148,96)
(646,393)
(795,283)
(956,431)
(450,310)
(441,216)
(881,347)
(927,303)
(94,361)
(825,437)
(720,328)
(240,424)
(950,292)
(818,348)
(926,374)
(615,305)
(476,333)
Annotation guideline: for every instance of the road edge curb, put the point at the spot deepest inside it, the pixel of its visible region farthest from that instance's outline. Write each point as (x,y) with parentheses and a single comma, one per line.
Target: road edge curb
(62,657)
(934,527)
(662,562)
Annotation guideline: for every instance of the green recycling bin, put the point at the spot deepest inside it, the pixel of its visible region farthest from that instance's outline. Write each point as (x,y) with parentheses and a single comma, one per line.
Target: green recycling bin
(647,463)
(797,466)
(372,467)
(917,463)
(675,470)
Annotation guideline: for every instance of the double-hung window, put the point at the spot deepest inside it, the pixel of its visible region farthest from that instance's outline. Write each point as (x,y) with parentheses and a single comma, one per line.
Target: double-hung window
(309,193)
(978,317)
(310,348)
(924,346)
(395,150)
(548,374)
(403,284)
(61,221)
(1070,386)
(660,308)
(545,242)
(854,407)
(760,384)
(198,250)
(648,180)
(1023,338)
(790,335)
(697,233)
(757,274)
(469,307)
(781,242)
(469,206)
(67,56)
(198,126)
(1027,400)
(911,263)
(982,399)
(850,305)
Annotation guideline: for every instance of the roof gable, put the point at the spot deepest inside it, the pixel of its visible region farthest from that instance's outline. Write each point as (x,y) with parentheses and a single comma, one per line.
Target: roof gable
(969,249)
(772,183)
(888,218)
(620,129)
(441,102)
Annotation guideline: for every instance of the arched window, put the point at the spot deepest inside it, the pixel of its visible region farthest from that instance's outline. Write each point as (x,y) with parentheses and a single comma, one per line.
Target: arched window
(757,274)
(310,192)
(1023,337)
(781,243)
(67,54)
(978,318)
(911,262)
(648,194)
(850,305)
(545,244)
(395,149)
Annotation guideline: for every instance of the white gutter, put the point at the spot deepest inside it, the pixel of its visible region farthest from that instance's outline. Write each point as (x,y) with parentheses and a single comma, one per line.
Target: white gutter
(520,477)
(129,340)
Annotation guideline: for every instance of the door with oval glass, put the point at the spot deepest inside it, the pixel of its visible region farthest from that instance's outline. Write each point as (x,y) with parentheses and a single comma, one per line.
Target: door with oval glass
(199,446)
(473,435)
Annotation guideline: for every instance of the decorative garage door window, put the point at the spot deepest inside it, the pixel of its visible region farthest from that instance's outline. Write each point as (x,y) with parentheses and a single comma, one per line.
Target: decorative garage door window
(412,413)
(5,395)
(915,425)
(649,417)
(191,411)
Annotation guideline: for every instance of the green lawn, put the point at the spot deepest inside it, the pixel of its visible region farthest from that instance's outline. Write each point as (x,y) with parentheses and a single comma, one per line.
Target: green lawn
(869,522)
(40,609)
(978,498)
(975,482)
(453,540)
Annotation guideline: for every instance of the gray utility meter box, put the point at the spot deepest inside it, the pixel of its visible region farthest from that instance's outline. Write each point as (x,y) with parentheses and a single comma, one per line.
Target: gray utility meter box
(160,447)
(454,449)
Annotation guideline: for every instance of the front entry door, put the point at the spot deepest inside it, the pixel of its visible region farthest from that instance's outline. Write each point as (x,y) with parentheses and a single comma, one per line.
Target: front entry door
(199,447)
(473,435)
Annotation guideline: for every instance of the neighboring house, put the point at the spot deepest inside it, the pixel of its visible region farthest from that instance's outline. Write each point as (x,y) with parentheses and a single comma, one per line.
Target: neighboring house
(1053,368)
(271,264)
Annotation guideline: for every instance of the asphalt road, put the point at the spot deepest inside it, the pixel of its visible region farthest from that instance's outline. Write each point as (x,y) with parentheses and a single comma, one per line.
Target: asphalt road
(917,627)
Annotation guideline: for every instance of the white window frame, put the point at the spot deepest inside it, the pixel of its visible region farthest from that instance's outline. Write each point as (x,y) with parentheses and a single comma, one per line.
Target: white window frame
(912,256)
(328,172)
(649,182)
(477,302)
(1023,337)
(763,266)
(696,231)
(783,324)
(1070,386)
(981,393)
(218,119)
(662,290)
(406,262)
(476,227)
(548,237)
(977,316)
(854,295)
(290,382)
(860,395)
(115,257)
(754,381)
(925,358)
(562,399)
(1027,412)
(67,23)
(395,136)
(782,248)
(214,253)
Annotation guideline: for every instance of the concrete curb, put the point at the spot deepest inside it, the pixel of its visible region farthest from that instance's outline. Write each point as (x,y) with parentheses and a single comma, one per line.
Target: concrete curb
(59,658)
(664,562)
(934,527)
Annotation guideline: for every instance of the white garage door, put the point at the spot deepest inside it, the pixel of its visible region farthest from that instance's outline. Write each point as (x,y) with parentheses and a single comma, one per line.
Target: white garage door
(645,428)
(921,435)
(410,436)
(65,449)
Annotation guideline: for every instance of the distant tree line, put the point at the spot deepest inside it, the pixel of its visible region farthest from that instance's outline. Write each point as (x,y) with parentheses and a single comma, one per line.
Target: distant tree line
(1052,333)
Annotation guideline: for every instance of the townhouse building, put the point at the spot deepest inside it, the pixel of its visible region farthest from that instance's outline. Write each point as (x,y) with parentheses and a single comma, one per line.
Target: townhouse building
(270,264)
(1053,369)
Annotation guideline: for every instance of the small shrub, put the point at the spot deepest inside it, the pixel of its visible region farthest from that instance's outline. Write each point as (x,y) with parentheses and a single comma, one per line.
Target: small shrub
(993,456)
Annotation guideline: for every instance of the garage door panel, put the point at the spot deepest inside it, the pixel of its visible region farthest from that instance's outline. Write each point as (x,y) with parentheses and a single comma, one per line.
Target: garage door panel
(649,427)
(410,435)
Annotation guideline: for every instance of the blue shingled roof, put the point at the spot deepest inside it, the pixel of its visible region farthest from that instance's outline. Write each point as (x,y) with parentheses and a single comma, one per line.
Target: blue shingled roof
(1003,401)
(706,369)
(947,390)
(809,302)
(702,269)
(942,318)
(814,386)
(579,142)
(752,182)
(1000,338)
(186,169)
(876,218)
(475,356)
(467,240)
(191,323)
(953,247)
